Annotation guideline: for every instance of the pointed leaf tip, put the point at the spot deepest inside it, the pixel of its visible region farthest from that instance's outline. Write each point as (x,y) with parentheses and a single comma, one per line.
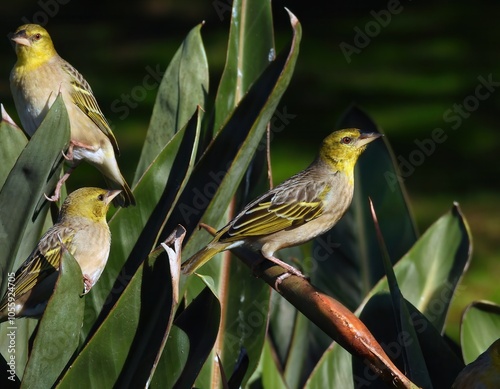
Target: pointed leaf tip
(293,19)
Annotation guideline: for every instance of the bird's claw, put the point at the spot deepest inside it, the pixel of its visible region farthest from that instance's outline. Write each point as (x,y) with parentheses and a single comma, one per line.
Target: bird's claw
(52,198)
(87,284)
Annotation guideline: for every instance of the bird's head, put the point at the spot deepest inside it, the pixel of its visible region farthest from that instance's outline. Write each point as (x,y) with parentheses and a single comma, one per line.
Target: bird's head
(33,43)
(91,203)
(342,148)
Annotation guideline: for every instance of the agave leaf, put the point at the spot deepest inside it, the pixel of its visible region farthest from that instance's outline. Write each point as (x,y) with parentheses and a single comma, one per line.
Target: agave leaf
(191,341)
(380,318)
(124,347)
(216,175)
(12,142)
(411,353)
(184,86)
(57,334)
(250,49)
(29,179)
(480,328)
(23,209)
(134,232)
(444,252)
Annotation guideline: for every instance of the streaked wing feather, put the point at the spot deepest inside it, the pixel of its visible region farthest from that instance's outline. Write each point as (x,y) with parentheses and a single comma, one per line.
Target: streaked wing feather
(85,100)
(43,261)
(267,218)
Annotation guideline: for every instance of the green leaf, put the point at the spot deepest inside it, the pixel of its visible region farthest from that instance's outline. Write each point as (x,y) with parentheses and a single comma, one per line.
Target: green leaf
(250,49)
(23,209)
(218,172)
(348,259)
(480,328)
(184,87)
(12,143)
(124,347)
(33,174)
(269,373)
(134,232)
(430,272)
(192,338)
(57,334)
(411,354)
(335,369)
(379,316)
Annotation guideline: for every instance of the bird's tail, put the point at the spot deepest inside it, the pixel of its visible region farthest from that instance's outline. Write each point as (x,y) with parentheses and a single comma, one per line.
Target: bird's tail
(200,258)
(126,197)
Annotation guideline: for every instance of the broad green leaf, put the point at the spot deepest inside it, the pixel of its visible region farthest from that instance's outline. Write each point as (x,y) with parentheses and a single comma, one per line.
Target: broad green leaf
(22,193)
(335,369)
(379,316)
(250,49)
(348,260)
(134,232)
(57,335)
(12,142)
(269,373)
(184,86)
(129,339)
(429,273)
(216,175)
(199,323)
(414,364)
(480,328)
(23,209)
(244,319)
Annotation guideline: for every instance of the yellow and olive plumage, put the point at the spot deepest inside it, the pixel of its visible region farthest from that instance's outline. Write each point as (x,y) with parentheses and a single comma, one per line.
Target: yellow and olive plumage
(299,209)
(82,229)
(37,78)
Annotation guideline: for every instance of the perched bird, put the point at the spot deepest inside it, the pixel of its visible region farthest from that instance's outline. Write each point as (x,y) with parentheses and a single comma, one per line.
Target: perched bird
(482,373)
(36,80)
(299,209)
(82,229)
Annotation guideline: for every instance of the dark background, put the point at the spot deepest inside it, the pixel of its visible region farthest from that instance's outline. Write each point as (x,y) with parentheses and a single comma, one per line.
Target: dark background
(411,72)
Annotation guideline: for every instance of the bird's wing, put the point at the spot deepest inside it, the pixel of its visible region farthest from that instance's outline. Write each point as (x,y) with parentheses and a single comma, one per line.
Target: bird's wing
(84,99)
(44,260)
(277,211)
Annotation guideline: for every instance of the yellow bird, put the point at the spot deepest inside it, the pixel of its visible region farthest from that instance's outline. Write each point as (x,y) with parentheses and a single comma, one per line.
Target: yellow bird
(299,209)
(82,229)
(36,80)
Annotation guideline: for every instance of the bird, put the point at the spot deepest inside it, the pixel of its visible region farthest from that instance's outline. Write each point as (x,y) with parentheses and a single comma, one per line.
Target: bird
(304,206)
(81,228)
(36,79)
(483,372)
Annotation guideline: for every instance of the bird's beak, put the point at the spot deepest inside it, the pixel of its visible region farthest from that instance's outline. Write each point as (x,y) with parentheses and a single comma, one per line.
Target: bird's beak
(111,194)
(21,39)
(366,138)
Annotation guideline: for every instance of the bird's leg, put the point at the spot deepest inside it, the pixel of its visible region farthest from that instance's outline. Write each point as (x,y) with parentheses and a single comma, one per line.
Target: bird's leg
(72,143)
(87,284)
(62,180)
(290,271)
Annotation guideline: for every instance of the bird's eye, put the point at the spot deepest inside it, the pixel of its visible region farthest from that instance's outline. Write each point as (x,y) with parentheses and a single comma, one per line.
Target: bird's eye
(37,36)
(346,140)
(100,197)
